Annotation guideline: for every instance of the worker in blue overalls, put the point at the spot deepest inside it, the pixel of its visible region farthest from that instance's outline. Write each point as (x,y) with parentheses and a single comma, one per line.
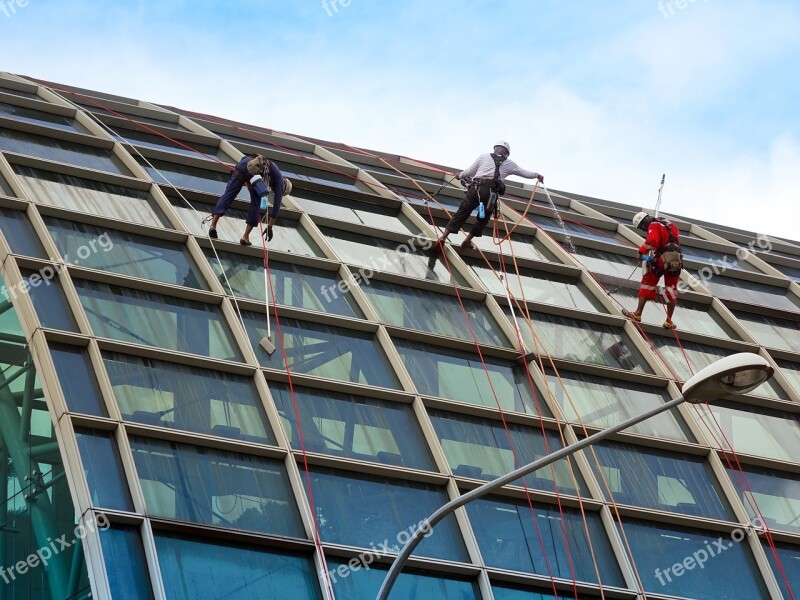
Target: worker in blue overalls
(260,176)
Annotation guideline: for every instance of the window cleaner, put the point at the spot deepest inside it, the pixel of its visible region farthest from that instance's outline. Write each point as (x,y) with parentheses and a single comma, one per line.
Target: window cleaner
(484,181)
(260,175)
(661,256)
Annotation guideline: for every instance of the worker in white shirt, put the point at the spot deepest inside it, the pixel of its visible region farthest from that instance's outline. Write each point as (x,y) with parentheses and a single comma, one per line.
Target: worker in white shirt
(485,184)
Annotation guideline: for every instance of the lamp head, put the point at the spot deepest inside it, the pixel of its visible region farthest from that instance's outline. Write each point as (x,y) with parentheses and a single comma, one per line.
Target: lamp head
(735,374)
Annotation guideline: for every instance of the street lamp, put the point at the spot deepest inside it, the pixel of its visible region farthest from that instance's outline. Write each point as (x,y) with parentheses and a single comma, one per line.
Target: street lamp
(735,374)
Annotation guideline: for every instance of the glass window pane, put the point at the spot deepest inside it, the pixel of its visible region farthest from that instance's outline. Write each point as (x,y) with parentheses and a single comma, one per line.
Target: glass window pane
(5,189)
(603,403)
(214,487)
(126,564)
(353,211)
(352,427)
(77,379)
(150,140)
(772,332)
(363,583)
(461,376)
(139,317)
(19,233)
(702,355)
(578,230)
(717,260)
(92,197)
(689,316)
(667,559)
(188,177)
(481,449)
(789,570)
(48,299)
(193,569)
(583,341)
(660,480)
(750,292)
(512,592)
(776,494)
(524,246)
(103,469)
(164,394)
(538,286)
(410,258)
(323,350)
(605,263)
(792,372)
(290,236)
(40,117)
(328,178)
(293,285)
(125,253)
(361,510)
(442,314)
(755,430)
(90,157)
(513,536)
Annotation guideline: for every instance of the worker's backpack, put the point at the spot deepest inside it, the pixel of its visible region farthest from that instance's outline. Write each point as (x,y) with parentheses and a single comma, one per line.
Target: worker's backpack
(670,254)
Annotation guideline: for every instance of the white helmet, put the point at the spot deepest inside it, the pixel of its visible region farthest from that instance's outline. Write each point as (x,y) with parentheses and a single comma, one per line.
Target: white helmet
(287,187)
(638,218)
(503,144)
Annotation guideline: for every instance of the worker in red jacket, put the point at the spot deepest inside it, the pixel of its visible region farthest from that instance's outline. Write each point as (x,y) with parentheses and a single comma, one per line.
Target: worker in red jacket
(662,253)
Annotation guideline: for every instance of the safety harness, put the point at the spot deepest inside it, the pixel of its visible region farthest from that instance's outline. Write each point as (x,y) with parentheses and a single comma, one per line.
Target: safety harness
(497,188)
(670,253)
(258,166)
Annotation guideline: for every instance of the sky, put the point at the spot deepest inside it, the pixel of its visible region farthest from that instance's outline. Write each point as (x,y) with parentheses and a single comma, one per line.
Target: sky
(601,97)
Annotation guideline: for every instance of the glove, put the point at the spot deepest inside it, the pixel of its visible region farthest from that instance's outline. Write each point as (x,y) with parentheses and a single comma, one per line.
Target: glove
(465,181)
(268,233)
(540,178)
(646,258)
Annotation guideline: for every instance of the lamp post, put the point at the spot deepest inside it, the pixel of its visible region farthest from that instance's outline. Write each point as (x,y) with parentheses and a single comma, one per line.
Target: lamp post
(735,374)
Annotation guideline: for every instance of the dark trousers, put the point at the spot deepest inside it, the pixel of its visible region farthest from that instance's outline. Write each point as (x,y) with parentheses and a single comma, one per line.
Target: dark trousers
(469,204)
(235,185)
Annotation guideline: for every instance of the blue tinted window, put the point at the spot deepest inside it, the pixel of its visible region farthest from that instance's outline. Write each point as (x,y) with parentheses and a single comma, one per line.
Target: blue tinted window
(151,140)
(49,300)
(125,253)
(775,493)
(63,151)
(481,449)
(359,510)
(103,469)
(214,487)
(669,559)
(200,570)
(789,570)
(40,117)
(323,350)
(140,317)
(510,592)
(19,233)
(441,314)
(353,427)
(660,480)
(293,285)
(184,176)
(126,564)
(363,584)
(460,376)
(513,536)
(164,394)
(77,379)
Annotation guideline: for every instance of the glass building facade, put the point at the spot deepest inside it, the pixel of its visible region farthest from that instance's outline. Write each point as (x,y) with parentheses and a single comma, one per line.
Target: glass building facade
(152,449)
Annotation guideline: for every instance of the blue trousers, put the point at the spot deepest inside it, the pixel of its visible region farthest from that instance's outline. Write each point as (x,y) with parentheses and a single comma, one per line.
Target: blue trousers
(229,195)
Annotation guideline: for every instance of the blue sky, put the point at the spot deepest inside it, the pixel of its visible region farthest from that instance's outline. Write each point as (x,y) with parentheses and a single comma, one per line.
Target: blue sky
(601,97)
